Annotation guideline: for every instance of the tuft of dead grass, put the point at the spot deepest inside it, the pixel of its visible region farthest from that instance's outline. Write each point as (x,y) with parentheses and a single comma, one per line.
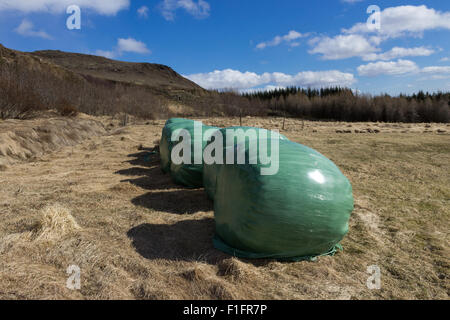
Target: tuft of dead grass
(235,270)
(56,222)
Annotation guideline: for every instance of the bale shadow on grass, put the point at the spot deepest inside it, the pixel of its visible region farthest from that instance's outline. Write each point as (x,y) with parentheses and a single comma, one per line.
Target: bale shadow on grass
(150,183)
(136,171)
(147,169)
(188,240)
(177,202)
(144,158)
(149,178)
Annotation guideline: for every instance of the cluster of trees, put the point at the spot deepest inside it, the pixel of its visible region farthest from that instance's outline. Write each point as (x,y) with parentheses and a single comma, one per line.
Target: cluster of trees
(25,90)
(343,104)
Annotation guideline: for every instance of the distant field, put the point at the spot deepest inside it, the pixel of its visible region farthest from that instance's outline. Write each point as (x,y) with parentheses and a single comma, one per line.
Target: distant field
(135,235)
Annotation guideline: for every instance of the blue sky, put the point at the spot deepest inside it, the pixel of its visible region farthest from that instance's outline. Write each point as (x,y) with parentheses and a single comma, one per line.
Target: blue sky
(251,45)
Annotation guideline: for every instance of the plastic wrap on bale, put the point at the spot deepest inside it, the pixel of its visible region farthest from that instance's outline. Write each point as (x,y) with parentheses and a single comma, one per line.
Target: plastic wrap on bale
(210,171)
(186,174)
(299,213)
(165,145)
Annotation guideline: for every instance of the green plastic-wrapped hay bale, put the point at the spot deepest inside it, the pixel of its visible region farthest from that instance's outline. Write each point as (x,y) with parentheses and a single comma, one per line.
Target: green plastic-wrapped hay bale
(187,174)
(210,170)
(299,213)
(165,145)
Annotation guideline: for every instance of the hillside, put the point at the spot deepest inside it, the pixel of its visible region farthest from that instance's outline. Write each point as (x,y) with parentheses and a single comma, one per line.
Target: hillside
(152,75)
(22,61)
(31,82)
(49,80)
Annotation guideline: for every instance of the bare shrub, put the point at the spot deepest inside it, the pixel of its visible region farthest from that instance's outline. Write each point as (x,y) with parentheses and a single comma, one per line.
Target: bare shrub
(66,109)
(18,100)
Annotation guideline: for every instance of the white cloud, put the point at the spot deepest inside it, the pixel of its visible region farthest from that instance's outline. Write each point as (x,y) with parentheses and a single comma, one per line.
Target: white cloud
(199,9)
(266,88)
(351,1)
(436,70)
(445,59)
(402,67)
(26,28)
(132,45)
(321,79)
(124,45)
(398,52)
(342,47)
(435,73)
(288,38)
(229,78)
(360,41)
(388,68)
(143,12)
(406,20)
(226,79)
(106,7)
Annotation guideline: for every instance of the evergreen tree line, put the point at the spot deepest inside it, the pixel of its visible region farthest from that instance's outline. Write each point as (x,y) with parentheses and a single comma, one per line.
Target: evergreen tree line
(342,104)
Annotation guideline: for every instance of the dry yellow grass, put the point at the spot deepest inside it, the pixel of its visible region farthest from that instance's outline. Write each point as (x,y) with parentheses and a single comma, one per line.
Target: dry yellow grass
(105,206)
(30,139)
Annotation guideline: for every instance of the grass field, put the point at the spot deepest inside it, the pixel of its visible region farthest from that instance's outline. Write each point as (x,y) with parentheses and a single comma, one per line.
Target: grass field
(105,206)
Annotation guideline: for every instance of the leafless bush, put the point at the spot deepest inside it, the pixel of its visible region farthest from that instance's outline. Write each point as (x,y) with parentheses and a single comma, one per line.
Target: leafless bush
(18,100)
(66,109)
(24,91)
